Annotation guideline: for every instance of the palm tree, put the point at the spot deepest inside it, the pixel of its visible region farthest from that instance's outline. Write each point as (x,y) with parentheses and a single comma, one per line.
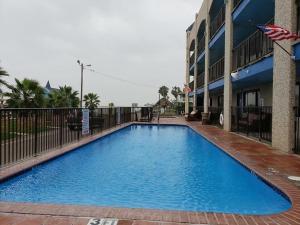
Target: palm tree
(3,73)
(91,100)
(163,90)
(176,91)
(111,105)
(26,94)
(63,97)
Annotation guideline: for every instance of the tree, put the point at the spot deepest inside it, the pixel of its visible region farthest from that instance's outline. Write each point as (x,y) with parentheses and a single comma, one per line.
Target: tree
(63,97)
(163,90)
(3,73)
(91,100)
(176,91)
(26,94)
(111,105)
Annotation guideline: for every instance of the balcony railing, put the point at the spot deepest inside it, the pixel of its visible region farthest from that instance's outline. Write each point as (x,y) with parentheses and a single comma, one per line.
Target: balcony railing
(191,85)
(252,49)
(192,59)
(253,121)
(201,46)
(216,71)
(200,80)
(217,22)
(236,3)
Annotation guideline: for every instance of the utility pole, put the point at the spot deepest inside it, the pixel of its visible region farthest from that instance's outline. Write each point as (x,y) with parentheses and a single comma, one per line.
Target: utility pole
(82,66)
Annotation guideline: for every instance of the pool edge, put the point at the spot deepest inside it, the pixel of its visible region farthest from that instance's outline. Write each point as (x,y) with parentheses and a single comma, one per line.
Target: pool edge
(45,209)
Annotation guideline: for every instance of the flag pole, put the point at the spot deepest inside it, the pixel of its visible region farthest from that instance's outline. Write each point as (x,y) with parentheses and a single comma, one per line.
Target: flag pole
(280,46)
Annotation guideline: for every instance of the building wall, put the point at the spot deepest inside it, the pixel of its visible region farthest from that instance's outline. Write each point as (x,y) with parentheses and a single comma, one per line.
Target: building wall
(280,93)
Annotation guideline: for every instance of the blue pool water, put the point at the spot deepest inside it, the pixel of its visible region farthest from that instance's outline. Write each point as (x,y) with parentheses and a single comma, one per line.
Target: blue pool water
(141,166)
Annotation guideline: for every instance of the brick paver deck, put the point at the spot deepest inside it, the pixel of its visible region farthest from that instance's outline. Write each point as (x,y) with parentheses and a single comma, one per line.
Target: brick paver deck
(272,165)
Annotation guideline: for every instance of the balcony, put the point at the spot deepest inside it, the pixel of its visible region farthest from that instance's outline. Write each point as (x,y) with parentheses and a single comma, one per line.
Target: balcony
(252,49)
(200,80)
(201,46)
(216,71)
(191,86)
(192,59)
(217,22)
(236,3)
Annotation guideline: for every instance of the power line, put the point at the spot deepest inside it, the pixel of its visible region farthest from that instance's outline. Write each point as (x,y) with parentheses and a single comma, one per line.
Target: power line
(122,80)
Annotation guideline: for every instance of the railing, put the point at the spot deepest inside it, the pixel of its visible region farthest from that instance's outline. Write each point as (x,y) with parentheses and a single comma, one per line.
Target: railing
(200,80)
(191,85)
(214,115)
(253,121)
(216,71)
(192,59)
(26,133)
(252,49)
(217,22)
(201,46)
(297,131)
(236,3)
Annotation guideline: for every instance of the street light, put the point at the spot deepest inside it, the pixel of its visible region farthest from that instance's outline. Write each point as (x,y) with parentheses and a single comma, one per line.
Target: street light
(81,87)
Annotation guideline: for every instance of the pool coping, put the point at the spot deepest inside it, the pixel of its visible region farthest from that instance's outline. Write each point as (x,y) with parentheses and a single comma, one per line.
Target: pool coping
(292,216)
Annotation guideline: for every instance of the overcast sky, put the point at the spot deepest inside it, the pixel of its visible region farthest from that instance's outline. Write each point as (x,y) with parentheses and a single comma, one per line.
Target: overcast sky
(142,41)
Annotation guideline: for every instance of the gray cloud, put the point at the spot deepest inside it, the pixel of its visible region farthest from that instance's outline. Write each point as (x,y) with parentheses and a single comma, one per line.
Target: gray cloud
(137,40)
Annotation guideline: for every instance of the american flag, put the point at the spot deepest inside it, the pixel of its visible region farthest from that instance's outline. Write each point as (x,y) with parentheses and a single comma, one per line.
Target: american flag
(277,33)
(187,89)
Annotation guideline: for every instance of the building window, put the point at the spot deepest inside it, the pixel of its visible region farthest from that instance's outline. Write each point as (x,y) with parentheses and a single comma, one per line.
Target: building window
(220,100)
(250,98)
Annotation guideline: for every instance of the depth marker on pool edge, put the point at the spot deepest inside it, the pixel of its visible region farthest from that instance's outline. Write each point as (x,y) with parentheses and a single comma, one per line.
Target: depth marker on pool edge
(95,221)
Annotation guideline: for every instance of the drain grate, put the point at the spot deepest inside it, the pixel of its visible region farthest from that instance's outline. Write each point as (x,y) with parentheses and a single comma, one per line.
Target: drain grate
(105,221)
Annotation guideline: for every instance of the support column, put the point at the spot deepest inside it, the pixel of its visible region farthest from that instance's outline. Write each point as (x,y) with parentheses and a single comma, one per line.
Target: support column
(206,74)
(228,66)
(187,74)
(195,76)
(284,80)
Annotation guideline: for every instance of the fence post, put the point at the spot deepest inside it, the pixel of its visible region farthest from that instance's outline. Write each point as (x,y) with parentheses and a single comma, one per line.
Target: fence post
(35,131)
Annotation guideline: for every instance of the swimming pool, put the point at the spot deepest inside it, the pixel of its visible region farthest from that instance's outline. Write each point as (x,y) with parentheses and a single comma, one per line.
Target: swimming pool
(148,166)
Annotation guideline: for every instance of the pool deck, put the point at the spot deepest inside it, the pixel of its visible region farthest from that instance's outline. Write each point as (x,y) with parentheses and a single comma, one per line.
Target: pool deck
(273,165)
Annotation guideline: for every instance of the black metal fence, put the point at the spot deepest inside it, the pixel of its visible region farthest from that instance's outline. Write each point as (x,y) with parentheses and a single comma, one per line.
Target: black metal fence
(252,49)
(217,22)
(297,131)
(253,121)
(25,133)
(214,115)
(216,71)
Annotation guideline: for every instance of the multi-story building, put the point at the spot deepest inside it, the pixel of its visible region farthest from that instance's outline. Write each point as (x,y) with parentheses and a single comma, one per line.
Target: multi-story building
(234,69)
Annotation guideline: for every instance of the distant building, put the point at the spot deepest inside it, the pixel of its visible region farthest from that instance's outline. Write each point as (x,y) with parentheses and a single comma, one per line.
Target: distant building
(48,89)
